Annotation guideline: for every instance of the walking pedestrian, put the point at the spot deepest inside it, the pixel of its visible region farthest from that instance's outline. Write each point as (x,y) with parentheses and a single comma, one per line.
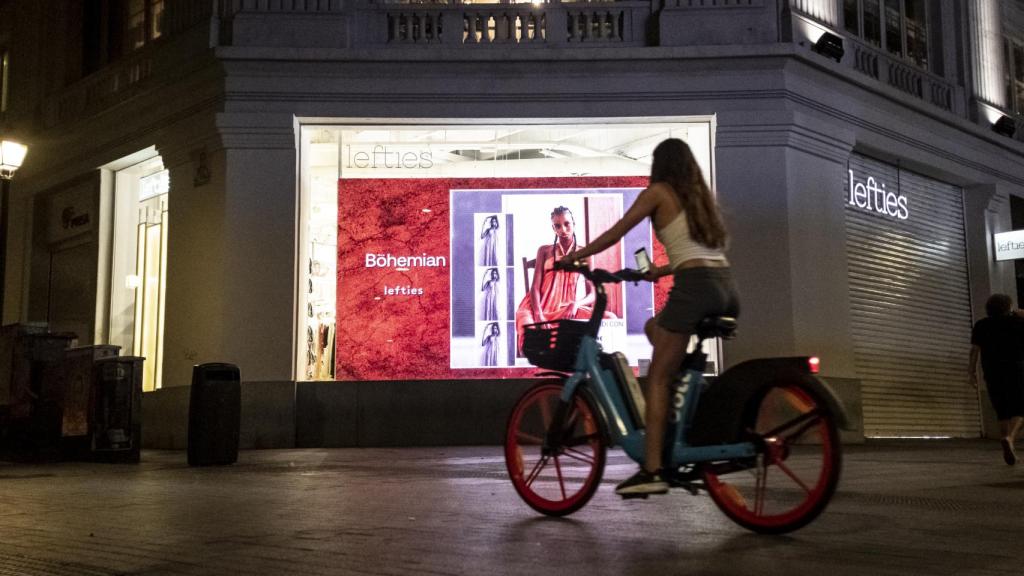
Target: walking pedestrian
(998,342)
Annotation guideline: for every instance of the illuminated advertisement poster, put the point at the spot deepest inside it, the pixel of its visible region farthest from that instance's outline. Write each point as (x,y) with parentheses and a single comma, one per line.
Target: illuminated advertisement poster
(434,274)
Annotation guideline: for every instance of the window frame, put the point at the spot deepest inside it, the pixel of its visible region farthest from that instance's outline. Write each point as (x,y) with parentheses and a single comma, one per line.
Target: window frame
(1013,73)
(886,29)
(5,75)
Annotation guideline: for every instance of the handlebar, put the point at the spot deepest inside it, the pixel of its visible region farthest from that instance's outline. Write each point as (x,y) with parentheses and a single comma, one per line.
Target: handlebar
(600,276)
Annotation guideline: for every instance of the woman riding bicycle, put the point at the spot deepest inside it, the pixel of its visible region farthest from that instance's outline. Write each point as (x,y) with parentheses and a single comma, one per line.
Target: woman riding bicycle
(688,224)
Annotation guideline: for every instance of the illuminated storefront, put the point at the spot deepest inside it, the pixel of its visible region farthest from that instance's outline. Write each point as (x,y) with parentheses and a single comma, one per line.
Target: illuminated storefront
(359,195)
(420,240)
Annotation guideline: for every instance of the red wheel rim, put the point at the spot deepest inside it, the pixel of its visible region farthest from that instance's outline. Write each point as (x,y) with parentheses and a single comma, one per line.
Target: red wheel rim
(796,471)
(563,479)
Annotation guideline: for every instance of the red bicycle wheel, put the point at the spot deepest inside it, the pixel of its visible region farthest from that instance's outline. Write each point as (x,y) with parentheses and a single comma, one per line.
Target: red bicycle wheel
(795,473)
(556,480)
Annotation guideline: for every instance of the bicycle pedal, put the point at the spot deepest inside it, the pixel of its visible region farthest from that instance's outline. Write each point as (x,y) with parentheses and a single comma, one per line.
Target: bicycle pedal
(635,496)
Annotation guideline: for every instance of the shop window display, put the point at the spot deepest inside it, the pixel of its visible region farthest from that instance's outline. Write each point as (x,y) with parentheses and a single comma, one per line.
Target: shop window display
(418,262)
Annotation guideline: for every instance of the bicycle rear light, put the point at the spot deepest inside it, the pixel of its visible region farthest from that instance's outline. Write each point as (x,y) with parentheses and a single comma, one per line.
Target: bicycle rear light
(814,363)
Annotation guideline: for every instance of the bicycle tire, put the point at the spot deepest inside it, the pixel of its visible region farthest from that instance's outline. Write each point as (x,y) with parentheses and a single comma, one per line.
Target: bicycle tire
(563,479)
(797,437)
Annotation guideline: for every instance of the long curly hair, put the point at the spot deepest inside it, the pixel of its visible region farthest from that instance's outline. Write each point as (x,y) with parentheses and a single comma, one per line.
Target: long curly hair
(675,165)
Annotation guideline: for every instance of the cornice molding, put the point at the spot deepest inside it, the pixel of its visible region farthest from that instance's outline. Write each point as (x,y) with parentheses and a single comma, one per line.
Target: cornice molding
(788,135)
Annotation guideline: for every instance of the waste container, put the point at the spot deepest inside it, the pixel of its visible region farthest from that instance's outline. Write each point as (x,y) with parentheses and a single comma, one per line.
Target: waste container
(214,414)
(115,424)
(78,374)
(31,392)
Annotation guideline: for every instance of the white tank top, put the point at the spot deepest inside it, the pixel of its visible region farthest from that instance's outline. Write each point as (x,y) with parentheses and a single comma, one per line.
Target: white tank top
(680,247)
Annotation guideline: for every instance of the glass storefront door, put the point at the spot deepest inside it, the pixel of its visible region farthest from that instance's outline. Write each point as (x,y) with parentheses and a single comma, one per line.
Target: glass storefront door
(151,280)
(138,262)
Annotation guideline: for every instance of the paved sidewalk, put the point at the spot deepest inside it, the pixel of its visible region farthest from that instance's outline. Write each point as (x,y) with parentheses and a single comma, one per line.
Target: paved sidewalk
(928,508)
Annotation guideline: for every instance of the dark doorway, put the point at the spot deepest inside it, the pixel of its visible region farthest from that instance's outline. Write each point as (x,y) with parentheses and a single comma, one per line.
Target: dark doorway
(1017,223)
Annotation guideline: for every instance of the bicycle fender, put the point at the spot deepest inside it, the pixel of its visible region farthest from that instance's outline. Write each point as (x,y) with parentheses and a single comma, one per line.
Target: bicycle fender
(552,374)
(719,417)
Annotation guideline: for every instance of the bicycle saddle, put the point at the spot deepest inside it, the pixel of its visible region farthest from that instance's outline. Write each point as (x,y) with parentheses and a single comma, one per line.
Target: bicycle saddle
(716,327)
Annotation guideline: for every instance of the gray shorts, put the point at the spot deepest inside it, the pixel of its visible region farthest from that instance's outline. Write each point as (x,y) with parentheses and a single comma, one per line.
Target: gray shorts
(697,293)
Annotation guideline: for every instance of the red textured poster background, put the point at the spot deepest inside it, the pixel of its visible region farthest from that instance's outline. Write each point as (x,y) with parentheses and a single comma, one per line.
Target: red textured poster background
(397,336)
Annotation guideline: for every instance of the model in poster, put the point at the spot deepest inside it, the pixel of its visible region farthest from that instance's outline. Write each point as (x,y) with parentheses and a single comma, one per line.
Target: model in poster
(555,296)
(489,287)
(489,343)
(489,245)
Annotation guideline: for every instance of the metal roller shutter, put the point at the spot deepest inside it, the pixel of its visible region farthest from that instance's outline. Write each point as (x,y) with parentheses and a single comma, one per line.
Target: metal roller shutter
(910,307)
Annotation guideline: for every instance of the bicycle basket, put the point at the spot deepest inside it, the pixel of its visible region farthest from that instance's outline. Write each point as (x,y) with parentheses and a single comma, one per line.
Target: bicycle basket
(553,345)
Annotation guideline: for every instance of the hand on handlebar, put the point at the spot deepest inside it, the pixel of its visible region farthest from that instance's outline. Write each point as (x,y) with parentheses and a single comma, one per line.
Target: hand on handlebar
(571,262)
(631,275)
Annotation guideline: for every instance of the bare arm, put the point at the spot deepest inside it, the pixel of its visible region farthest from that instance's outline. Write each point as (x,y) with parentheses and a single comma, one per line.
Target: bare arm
(657,272)
(643,207)
(538,278)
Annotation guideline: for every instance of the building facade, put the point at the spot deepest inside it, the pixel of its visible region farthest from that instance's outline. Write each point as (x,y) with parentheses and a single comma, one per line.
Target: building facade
(307,189)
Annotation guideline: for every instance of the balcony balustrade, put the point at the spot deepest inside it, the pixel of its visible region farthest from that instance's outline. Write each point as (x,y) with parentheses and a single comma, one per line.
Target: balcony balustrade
(904,76)
(381,24)
(475,25)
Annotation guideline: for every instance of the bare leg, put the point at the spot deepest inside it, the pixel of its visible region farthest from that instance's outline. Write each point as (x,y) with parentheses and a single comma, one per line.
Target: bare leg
(1011,428)
(669,349)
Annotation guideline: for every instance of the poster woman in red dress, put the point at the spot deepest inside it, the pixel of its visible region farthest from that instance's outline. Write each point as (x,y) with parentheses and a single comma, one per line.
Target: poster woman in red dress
(554,296)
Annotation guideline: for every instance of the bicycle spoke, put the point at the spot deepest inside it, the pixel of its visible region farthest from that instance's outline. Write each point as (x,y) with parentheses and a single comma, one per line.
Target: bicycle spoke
(785,470)
(577,455)
(545,413)
(759,488)
(536,470)
(570,420)
(807,426)
(529,438)
(561,480)
(801,419)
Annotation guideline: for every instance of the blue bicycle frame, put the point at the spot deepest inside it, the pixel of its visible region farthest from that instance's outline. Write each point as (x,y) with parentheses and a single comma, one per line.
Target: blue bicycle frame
(627,434)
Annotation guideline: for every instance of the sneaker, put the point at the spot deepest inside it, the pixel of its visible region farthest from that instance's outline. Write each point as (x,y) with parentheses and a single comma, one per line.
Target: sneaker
(643,482)
(1009,456)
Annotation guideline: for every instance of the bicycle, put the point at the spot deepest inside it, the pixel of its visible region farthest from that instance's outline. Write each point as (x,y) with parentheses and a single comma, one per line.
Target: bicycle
(760,416)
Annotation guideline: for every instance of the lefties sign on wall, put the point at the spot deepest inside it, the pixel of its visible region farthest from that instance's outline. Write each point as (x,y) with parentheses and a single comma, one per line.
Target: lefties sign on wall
(870,194)
(1009,245)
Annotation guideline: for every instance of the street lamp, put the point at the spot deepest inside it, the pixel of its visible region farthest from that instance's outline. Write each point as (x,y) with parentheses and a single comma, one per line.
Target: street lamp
(12,155)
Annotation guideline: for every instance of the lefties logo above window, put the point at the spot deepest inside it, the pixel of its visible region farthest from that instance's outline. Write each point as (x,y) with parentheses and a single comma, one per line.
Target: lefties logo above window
(870,194)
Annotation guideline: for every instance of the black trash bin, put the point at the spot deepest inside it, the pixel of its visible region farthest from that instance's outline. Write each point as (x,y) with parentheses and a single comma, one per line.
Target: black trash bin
(214,412)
